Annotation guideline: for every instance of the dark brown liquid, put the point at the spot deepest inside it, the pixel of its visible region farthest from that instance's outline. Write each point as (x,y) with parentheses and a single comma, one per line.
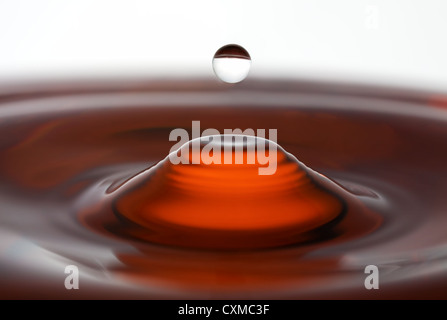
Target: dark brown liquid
(228,204)
(232,51)
(73,161)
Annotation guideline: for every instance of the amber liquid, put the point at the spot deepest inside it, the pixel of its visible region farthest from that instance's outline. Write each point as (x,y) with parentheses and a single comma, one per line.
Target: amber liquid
(78,187)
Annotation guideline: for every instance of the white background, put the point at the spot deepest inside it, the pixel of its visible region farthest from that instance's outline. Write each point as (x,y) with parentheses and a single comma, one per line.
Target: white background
(399,42)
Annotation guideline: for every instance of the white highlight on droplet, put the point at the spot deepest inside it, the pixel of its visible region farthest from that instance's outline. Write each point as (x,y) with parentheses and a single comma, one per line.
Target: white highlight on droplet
(231,70)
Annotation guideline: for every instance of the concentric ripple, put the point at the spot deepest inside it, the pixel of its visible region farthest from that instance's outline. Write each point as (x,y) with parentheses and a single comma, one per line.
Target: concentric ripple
(81,168)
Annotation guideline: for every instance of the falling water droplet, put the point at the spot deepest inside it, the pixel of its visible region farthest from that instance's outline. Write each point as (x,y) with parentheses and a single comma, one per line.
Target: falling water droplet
(231,63)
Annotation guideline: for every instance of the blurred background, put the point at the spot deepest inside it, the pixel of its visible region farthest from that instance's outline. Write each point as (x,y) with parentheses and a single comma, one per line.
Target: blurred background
(396,42)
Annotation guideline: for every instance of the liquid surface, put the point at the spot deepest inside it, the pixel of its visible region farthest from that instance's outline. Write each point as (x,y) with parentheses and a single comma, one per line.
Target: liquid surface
(75,159)
(225,202)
